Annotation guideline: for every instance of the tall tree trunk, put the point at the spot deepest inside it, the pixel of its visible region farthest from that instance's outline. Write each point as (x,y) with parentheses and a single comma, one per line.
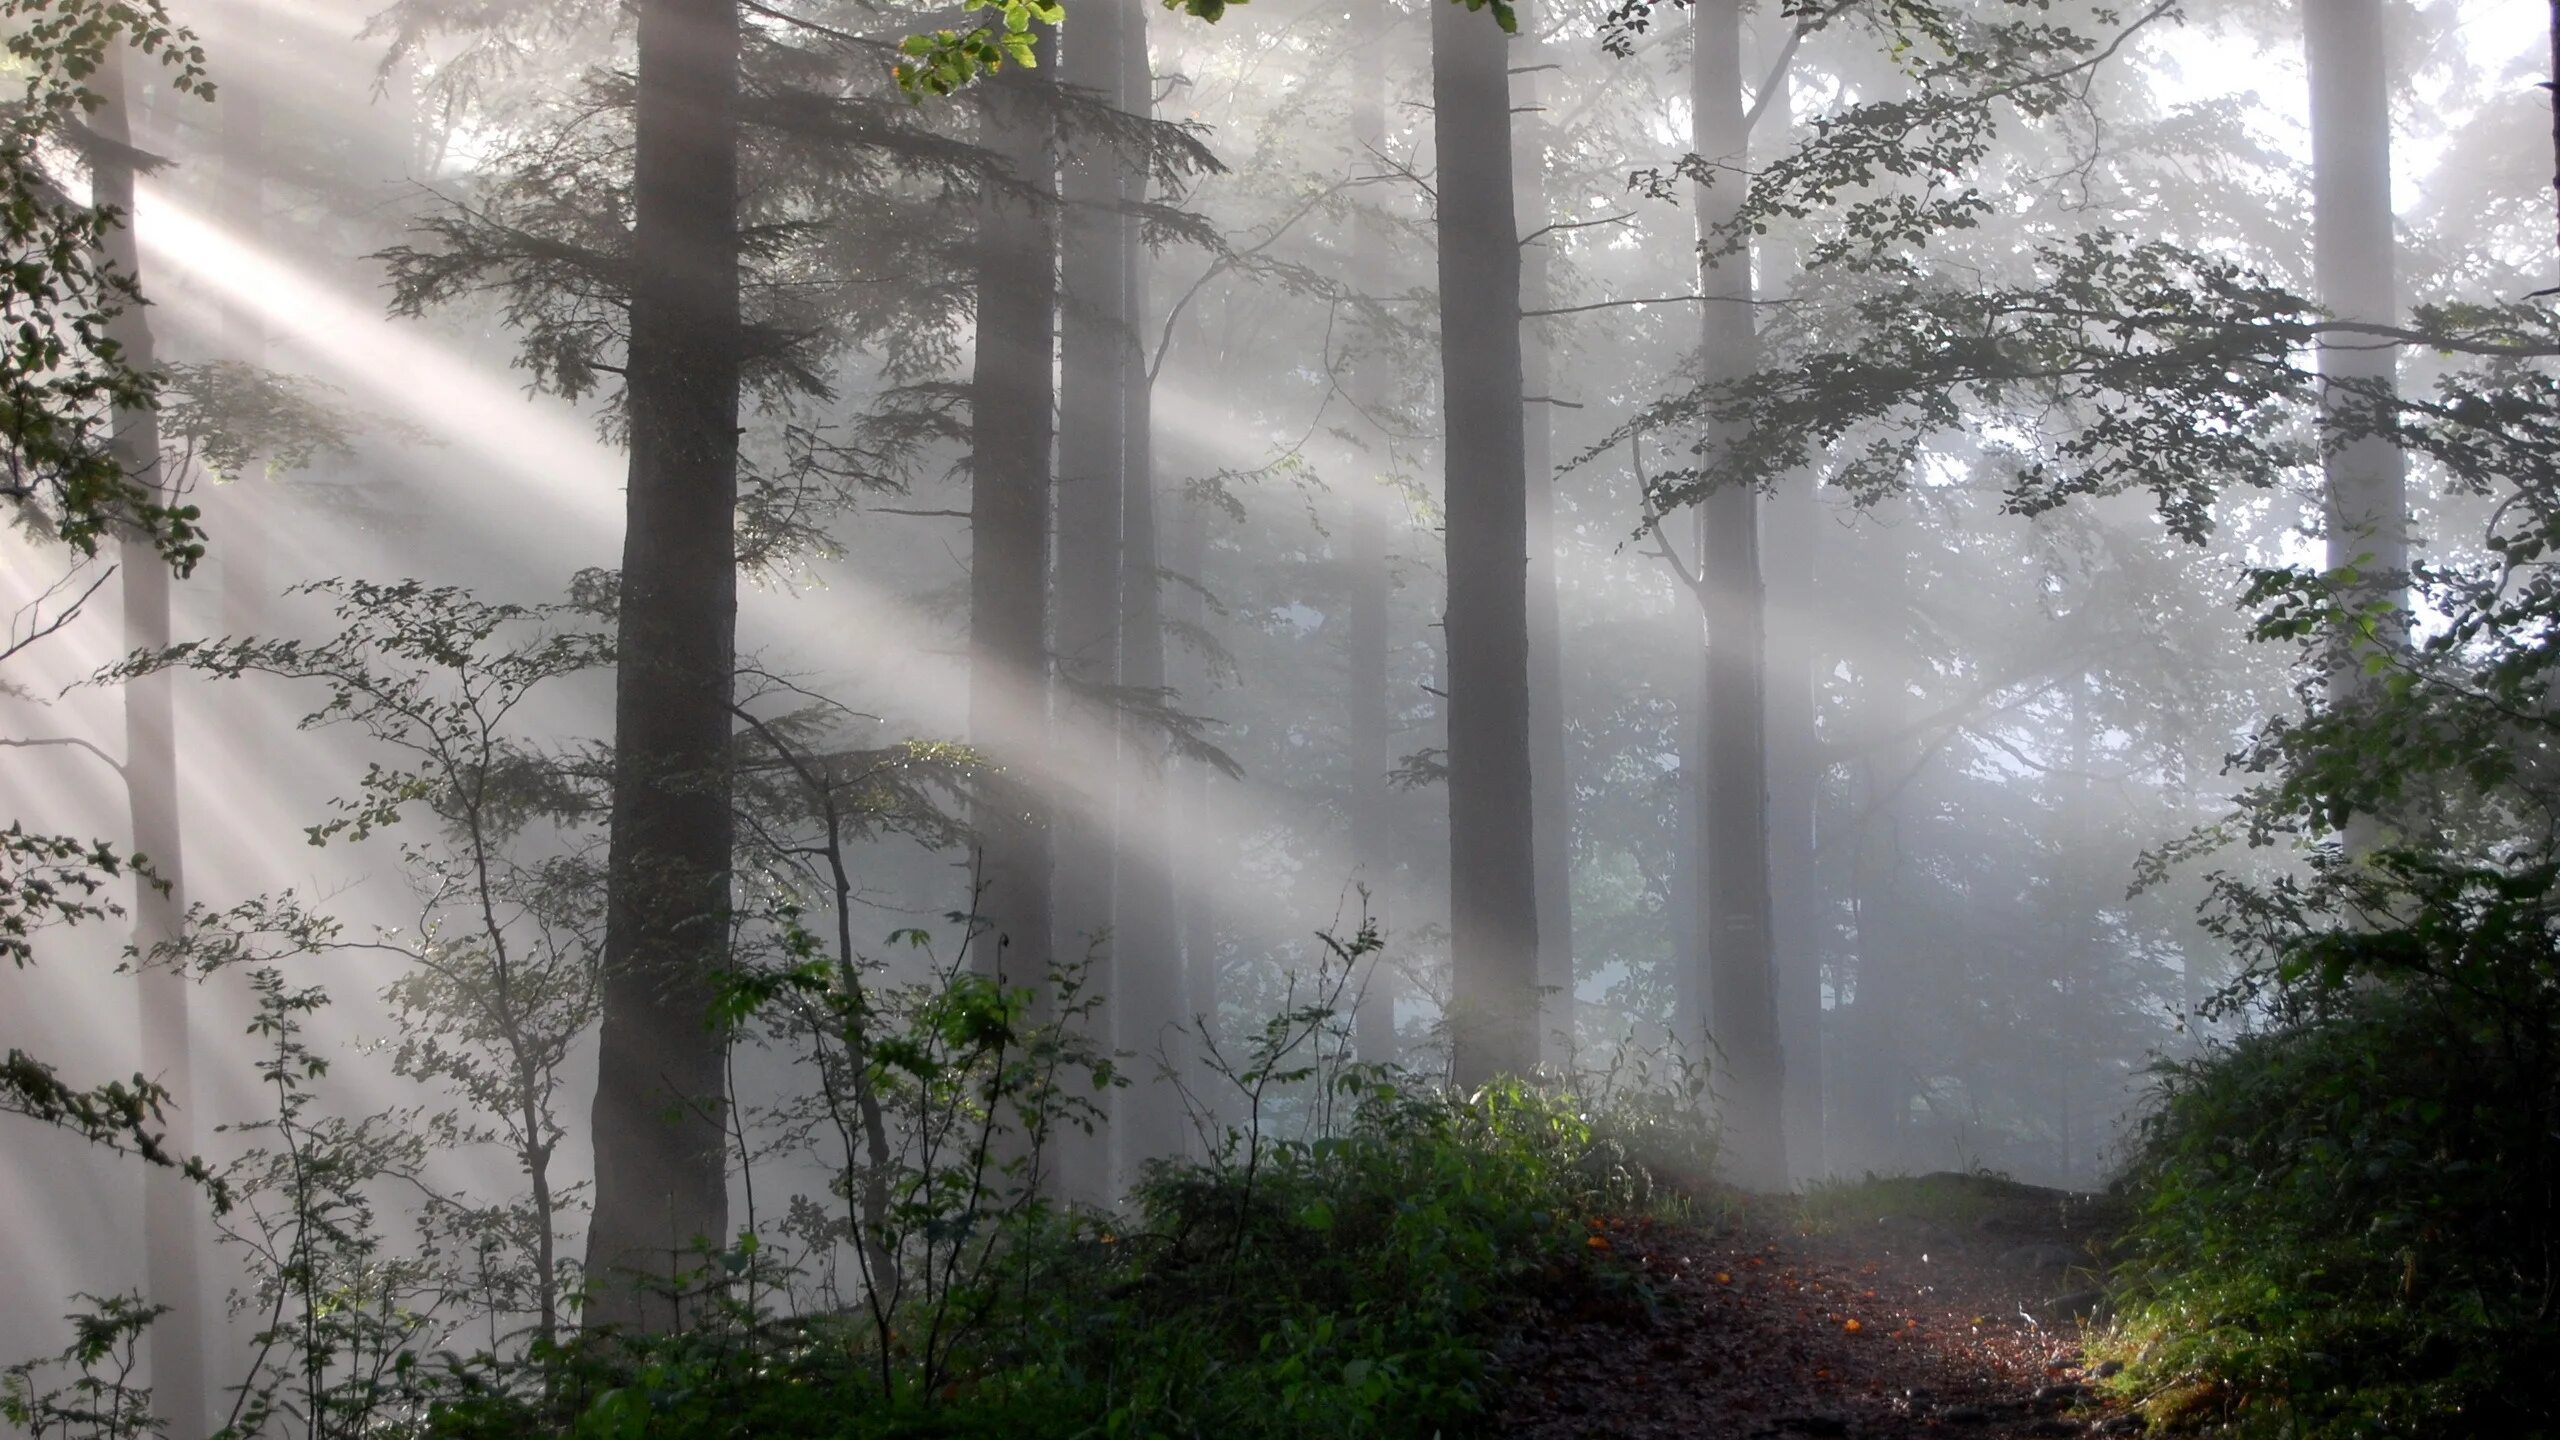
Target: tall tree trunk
(1734,802)
(2353,247)
(247,538)
(1493,915)
(1792,527)
(1152,1005)
(661,1118)
(171,1267)
(1195,910)
(1093,329)
(1550,781)
(1010,399)
(1368,585)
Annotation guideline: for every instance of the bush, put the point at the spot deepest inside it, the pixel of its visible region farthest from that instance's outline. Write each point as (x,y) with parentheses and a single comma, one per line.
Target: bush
(2347,1223)
(1350,1285)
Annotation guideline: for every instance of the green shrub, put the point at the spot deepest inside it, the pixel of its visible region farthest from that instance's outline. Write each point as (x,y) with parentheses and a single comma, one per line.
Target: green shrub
(1346,1285)
(2347,1223)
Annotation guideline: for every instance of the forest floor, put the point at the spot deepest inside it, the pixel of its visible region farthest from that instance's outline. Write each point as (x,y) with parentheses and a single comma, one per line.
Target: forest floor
(1768,1324)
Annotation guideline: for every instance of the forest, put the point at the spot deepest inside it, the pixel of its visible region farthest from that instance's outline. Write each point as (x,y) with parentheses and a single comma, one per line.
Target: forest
(1372,718)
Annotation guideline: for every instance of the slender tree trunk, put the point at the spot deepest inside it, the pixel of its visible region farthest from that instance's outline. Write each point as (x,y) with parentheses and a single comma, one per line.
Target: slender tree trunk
(2553,86)
(1152,1005)
(1550,779)
(1368,585)
(1493,917)
(1010,397)
(661,1109)
(1792,526)
(170,1261)
(247,545)
(1093,328)
(1734,803)
(1792,519)
(1194,837)
(2353,255)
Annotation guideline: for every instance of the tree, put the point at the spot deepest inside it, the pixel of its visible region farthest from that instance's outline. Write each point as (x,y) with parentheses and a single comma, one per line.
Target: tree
(1009,495)
(1369,728)
(2354,274)
(661,1122)
(1094,328)
(1492,863)
(1153,1001)
(1733,797)
(171,1266)
(1550,781)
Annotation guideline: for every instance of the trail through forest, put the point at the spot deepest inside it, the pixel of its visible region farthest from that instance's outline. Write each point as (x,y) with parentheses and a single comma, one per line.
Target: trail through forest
(1754,1327)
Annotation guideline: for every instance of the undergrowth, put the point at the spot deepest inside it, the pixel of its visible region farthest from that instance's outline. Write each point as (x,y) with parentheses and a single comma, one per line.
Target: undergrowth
(1346,1286)
(2347,1227)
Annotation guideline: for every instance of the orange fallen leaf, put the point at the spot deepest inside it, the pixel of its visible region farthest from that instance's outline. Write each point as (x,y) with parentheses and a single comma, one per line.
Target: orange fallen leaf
(1853,1327)
(1598,1242)
(1724,1277)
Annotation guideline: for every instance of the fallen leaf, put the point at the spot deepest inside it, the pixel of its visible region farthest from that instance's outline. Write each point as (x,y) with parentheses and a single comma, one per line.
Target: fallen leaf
(1853,1327)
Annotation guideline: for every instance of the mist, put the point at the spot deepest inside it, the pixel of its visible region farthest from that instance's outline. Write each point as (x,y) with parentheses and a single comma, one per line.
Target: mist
(709,673)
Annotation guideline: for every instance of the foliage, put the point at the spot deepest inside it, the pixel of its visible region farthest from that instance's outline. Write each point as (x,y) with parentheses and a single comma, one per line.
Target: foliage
(1355,1289)
(61,376)
(941,62)
(2348,1222)
(99,1398)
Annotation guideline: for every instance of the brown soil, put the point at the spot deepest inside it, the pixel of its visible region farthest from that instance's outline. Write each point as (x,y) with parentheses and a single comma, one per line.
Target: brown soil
(1747,1331)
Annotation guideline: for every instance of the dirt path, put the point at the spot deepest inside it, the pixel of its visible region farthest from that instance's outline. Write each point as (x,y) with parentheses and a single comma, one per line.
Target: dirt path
(1707,1334)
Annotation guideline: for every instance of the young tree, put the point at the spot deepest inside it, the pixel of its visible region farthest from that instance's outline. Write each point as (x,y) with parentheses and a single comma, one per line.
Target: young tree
(1492,863)
(661,1122)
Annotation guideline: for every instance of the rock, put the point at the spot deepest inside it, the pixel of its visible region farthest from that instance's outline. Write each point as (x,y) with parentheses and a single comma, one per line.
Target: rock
(1910,1227)
(2050,1426)
(1825,1425)
(1965,1415)
(2061,1394)
(2108,1370)
(2041,1256)
(2122,1425)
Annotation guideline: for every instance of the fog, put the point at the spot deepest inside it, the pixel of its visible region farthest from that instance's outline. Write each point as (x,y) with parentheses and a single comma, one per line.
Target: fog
(1848,756)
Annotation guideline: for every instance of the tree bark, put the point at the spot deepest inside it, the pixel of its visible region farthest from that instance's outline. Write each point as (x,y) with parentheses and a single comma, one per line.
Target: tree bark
(172,1273)
(1093,325)
(2354,269)
(1009,402)
(661,1104)
(1493,916)
(1792,526)
(1194,842)
(1152,1005)
(1550,780)
(1368,586)
(1734,802)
